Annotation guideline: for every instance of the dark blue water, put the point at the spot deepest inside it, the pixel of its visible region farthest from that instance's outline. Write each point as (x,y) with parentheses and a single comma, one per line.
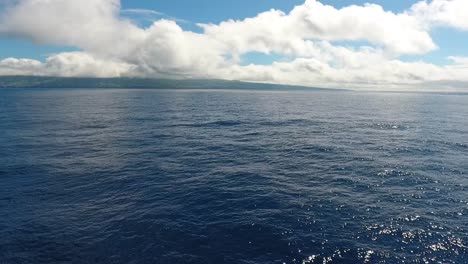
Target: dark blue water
(160,176)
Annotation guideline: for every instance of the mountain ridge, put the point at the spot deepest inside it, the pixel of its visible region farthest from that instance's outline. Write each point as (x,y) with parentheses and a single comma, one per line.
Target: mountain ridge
(16,81)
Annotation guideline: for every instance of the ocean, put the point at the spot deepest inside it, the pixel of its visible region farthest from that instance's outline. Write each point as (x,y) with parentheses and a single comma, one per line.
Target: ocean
(227,176)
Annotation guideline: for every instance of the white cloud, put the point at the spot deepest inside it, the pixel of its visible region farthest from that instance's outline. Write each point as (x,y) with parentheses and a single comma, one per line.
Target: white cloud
(461,61)
(385,75)
(451,13)
(141,11)
(148,15)
(83,64)
(13,66)
(169,50)
(274,31)
(114,46)
(92,25)
(69,64)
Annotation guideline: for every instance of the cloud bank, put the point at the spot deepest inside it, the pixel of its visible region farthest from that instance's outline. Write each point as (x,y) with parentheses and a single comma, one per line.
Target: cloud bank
(354,47)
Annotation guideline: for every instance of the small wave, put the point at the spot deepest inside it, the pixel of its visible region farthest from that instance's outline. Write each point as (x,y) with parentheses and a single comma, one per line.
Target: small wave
(221,123)
(339,255)
(393,173)
(93,126)
(320,149)
(158,136)
(6,199)
(389,126)
(224,123)
(288,122)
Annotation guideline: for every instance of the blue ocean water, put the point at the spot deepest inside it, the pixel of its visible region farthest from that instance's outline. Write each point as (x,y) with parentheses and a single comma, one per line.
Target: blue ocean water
(194,176)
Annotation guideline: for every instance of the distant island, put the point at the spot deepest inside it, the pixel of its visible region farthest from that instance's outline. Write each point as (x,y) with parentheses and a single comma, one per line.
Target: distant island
(139,83)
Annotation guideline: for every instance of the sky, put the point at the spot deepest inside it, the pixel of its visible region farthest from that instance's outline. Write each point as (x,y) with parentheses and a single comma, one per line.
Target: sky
(374,44)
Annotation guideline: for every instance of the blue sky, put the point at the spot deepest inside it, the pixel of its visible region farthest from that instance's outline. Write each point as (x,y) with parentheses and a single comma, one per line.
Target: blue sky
(450,41)
(330,43)
(205,11)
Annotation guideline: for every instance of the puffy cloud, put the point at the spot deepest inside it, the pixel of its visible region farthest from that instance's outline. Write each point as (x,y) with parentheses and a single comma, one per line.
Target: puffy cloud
(96,27)
(112,45)
(168,50)
(385,75)
(92,25)
(451,13)
(69,64)
(461,61)
(275,31)
(13,66)
(83,64)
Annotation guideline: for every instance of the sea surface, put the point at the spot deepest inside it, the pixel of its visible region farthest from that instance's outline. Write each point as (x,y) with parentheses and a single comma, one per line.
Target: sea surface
(225,176)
